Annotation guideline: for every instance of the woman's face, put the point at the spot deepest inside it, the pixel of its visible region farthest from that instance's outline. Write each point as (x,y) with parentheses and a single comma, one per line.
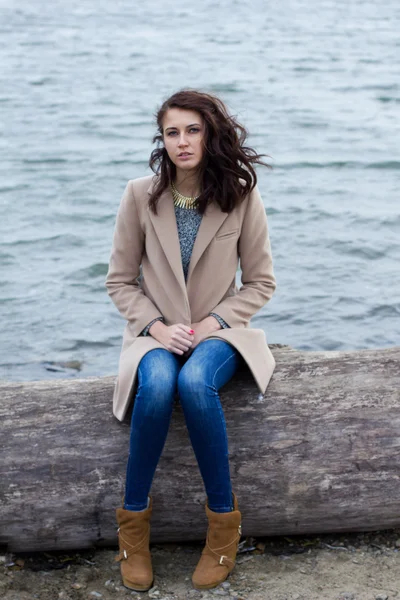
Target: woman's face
(183,133)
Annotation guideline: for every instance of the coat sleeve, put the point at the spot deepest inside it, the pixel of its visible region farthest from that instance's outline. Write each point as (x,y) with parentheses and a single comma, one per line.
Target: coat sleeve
(124,267)
(258,280)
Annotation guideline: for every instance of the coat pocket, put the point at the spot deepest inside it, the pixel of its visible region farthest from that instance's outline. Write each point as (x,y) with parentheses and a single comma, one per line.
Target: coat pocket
(227,234)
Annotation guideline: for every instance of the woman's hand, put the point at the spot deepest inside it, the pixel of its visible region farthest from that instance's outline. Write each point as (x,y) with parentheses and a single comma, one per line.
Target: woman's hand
(177,338)
(202,329)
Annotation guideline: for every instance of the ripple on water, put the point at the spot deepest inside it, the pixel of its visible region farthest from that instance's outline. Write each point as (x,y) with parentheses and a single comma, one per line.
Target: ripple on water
(338,164)
(63,240)
(356,88)
(348,249)
(42,81)
(311,125)
(385,311)
(382,311)
(90,272)
(387,99)
(43,161)
(391,221)
(14,188)
(6,259)
(225,87)
(386,164)
(79,344)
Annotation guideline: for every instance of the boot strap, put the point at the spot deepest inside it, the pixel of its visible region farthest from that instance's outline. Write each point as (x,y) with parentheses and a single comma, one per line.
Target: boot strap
(218,552)
(123,554)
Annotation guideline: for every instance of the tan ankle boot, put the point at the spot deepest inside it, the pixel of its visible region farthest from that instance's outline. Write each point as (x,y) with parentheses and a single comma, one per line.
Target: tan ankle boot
(218,557)
(134,553)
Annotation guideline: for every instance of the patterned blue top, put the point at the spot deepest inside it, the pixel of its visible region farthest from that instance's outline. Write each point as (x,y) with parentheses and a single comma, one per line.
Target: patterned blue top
(188,223)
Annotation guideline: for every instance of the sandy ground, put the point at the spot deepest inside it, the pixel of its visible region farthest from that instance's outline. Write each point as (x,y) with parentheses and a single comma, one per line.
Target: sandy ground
(356,566)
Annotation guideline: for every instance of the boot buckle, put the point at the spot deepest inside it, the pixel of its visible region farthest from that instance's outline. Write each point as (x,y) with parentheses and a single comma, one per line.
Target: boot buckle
(125,554)
(221,560)
(240,529)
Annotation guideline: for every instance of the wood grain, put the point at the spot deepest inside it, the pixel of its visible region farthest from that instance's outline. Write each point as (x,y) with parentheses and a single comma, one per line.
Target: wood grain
(319,453)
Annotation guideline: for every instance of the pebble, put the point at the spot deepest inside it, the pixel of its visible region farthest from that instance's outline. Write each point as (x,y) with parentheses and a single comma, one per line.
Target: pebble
(245,558)
(96,594)
(226,585)
(397,543)
(381,597)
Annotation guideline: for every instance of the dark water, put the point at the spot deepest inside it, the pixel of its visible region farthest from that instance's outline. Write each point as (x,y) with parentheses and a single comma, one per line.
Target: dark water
(316,83)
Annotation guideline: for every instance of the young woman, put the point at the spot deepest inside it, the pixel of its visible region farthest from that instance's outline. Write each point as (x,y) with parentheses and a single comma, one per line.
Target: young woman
(178,238)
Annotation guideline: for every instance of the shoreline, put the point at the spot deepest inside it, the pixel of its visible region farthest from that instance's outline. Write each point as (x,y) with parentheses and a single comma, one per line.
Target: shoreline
(347,566)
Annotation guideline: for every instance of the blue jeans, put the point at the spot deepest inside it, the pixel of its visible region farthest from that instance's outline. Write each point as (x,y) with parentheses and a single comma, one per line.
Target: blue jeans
(196,378)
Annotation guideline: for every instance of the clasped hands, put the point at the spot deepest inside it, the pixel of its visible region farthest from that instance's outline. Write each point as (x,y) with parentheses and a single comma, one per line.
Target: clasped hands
(183,339)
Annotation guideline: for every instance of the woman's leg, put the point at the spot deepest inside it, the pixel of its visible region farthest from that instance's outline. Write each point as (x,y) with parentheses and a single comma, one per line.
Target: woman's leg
(210,366)
(157,383)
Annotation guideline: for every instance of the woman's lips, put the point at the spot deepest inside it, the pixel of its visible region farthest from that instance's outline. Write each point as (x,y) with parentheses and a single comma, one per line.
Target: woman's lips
(185,156)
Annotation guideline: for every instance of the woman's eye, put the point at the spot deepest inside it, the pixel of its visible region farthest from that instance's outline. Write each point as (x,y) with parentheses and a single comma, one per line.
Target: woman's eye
(192,129)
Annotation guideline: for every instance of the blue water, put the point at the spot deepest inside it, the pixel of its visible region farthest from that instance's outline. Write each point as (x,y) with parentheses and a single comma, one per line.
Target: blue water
(316,83)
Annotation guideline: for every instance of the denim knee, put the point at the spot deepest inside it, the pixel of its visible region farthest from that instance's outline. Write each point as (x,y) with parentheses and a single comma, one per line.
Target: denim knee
(192,378)
(195,392)
(157,382)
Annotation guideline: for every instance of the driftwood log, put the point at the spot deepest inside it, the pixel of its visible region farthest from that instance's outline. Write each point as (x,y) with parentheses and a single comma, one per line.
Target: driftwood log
(319,453)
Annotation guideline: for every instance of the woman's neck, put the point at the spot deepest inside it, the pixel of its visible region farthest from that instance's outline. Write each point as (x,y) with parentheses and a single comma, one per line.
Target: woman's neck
(187,183)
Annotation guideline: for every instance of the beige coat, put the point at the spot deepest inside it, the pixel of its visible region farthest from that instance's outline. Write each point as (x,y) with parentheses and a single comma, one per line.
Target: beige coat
(151,241)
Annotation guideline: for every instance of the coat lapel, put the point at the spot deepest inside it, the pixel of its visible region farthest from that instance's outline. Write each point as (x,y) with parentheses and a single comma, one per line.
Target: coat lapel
(210,223)
(166,229)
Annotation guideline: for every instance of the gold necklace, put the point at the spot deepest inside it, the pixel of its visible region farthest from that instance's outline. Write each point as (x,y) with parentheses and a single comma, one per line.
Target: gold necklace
(181,200)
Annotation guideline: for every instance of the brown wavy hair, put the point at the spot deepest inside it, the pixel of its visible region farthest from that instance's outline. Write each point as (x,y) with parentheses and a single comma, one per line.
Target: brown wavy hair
(225,160)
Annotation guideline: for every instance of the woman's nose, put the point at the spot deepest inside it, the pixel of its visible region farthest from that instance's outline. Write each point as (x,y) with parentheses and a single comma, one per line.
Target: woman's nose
(182,140)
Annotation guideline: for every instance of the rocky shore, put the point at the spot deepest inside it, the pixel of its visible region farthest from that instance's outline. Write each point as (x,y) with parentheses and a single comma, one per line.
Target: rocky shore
(353,566)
